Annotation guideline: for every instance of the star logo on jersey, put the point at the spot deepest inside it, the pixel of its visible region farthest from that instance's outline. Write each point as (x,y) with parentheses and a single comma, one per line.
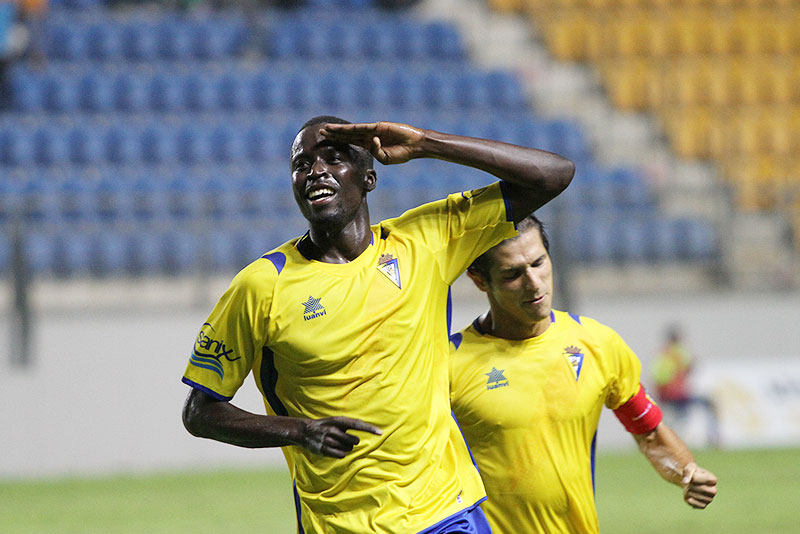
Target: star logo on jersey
(496,379)
(575,357)
(388,266)
(313,308)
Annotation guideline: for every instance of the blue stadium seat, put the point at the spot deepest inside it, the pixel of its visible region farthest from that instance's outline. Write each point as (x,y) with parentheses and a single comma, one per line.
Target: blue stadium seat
(108,250)
(85,146)
(77,202)
(130,93)
(16,147)
(179,249)
(504,91)
(144,252)
(121,146)
(199,93)
(260,144)
(95,93)
(26,91)
(104,42)
(443,41)
(175,41)
(232,93)
(40,252)
(50,146)
(631,239)
(663,239)
(60,95)
(165,93)
(65,43)
(695,239)
(157,145)
(567,138)
(140,42)
(227,145)
(72,253)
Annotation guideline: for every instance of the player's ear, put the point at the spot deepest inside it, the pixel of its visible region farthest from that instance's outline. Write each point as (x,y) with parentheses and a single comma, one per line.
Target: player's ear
(370,180)
(478,279)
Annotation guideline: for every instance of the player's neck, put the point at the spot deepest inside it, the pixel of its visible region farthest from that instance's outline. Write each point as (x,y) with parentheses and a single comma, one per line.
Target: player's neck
(505,327)
(341,245)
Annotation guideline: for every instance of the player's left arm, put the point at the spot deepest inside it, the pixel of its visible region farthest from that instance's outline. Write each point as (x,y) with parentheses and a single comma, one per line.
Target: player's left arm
(673,460)
(533,177)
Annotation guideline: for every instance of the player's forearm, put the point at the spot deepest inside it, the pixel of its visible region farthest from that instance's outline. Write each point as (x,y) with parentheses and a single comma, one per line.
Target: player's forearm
(222,421)
(666,453)
(525,167)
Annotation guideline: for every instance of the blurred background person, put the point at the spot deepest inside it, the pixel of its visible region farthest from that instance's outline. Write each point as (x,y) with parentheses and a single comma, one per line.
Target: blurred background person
(672,377)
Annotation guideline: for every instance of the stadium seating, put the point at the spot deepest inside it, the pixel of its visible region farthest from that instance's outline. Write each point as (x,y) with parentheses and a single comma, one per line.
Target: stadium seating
(722,76)
(155,142)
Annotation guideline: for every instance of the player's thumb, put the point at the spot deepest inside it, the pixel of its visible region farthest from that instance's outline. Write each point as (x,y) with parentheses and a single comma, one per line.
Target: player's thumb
(688,473)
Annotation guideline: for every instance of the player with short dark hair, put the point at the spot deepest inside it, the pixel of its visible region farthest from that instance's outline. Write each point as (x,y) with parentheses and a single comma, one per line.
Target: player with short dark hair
(527,385)
(345,331)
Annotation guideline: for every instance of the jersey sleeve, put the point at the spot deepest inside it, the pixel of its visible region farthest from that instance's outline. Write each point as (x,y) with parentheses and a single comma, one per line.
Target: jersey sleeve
(625,370)
(234,333)
(461,227)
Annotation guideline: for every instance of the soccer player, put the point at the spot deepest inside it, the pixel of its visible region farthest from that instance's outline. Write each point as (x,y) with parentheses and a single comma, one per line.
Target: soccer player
(528,384)
(345,331)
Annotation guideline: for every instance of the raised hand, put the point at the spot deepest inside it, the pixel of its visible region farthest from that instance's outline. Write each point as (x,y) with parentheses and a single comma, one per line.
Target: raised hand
(329,436)
(389,142)
(699,486)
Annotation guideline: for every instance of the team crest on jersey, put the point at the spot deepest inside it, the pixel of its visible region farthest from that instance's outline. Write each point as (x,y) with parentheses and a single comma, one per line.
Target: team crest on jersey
(313,308)
(388,266)
(575,357)
(496,378)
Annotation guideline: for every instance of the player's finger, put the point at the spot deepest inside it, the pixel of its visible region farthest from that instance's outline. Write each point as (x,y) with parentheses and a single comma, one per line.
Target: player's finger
(688,473)
(348,423)
(703,477)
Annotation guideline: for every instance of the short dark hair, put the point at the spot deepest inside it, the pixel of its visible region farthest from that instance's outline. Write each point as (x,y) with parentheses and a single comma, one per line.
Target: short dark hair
(483,263)
(361,156)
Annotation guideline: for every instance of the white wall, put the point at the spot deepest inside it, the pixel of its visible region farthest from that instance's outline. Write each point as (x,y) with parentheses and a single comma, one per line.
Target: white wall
(104,392)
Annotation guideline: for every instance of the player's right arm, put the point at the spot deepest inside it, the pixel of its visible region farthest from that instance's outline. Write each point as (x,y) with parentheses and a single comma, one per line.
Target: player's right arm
(207,417)
(532,177)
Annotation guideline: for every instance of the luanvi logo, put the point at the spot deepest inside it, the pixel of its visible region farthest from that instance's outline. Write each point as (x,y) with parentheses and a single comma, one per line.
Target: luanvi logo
(313,308)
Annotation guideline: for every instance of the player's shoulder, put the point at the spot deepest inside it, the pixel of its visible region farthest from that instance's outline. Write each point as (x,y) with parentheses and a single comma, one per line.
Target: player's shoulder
(582,322)
(265,270)
(466,339)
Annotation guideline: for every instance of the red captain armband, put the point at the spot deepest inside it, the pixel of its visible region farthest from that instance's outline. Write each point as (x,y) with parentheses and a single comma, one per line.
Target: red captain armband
(640,414)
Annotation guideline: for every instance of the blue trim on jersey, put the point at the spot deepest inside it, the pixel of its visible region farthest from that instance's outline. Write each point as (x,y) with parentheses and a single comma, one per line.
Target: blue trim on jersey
(206,361)
(300,529)
(470,520)
(593,450)
(204,389)
(456,339)
(552,316)
(449,310)
(269,378)
(465,441)
(576,318)
(477,327)
(507,201)
(278,259)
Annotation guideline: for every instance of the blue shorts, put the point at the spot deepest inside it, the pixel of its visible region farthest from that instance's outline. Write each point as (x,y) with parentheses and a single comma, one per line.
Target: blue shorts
(469,521)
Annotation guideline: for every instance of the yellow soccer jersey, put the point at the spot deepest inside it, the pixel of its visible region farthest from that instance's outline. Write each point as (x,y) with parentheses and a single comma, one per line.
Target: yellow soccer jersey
(529,410)
(367,339)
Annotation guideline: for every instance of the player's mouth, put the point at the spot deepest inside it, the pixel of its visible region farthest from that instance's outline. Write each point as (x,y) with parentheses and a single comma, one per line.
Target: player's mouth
(536,300)
(320,195)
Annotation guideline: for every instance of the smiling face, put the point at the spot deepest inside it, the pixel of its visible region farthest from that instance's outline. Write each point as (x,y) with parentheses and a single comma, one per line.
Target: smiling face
(330,185)
(519,286)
